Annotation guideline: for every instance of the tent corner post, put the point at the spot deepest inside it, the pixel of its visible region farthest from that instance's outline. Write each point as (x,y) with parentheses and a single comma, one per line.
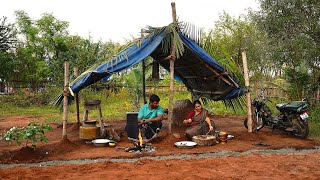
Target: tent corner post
(247,84)
(172,59)
(65,99)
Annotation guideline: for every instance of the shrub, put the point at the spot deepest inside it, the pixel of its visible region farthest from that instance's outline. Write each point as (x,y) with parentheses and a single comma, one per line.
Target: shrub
(33,133)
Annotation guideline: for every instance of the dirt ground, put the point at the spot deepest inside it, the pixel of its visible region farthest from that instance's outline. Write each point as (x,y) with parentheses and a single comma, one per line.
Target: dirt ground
(246,165)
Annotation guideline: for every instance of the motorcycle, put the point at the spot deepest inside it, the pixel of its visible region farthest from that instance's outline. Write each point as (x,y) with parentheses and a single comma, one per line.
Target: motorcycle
(293,116)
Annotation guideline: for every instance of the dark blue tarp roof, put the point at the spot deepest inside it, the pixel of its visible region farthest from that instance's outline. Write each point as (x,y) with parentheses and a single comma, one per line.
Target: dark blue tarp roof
(201,74)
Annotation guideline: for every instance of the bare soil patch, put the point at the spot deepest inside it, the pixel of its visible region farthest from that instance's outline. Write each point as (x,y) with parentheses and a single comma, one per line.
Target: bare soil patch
(249,166)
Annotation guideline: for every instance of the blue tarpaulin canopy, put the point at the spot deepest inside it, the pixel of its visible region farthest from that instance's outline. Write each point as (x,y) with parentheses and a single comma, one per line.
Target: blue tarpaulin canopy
(200,73)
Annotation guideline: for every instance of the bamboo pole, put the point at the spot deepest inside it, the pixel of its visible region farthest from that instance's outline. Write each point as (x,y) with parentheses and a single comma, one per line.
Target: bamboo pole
(172,59)
(247,84)
(76,95)
(65,99)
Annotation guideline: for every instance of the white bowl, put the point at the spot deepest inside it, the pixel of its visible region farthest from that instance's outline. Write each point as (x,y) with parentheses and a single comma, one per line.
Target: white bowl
(185,144)
(101,142)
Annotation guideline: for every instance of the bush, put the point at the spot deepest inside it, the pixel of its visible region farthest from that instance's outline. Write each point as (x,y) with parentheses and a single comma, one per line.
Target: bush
(315,115)
(32,133)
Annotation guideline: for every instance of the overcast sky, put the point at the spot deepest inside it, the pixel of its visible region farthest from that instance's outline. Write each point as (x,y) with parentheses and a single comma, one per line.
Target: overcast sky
(118,20)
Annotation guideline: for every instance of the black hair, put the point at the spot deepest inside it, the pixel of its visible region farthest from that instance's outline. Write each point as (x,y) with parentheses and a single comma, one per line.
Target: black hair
(154,98)
(196,102)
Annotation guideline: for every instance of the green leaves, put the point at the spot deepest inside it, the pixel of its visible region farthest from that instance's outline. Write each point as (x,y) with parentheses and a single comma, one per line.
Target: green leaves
(171,37)
(33,133)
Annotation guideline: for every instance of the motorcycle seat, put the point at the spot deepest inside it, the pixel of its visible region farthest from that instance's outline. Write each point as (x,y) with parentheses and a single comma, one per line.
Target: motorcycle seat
(294,106)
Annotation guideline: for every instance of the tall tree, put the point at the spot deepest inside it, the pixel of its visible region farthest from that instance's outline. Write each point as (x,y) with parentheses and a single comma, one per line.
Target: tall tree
(7,35)
(52,38)
(41,51)
(7,43)
(293,27)
(31,66)
(230,36)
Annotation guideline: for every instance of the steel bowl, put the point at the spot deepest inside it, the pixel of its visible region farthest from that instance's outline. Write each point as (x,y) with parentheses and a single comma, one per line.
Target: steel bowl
(101,142)
(112,144)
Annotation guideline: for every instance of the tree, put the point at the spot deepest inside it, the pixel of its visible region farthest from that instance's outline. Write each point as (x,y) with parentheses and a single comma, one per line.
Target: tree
(41,51)
(52,39)
(7,43)
(294,31)
(230,36)
(7,35)
(30,66)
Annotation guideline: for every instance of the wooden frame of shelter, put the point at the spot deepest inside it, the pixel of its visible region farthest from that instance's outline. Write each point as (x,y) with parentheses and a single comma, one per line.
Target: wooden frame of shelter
(215,83)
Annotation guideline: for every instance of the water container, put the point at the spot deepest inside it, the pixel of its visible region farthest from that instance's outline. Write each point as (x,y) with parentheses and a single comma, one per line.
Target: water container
(132,125)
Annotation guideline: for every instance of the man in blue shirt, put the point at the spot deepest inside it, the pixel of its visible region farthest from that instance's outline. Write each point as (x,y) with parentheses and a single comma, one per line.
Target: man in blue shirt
(152,115)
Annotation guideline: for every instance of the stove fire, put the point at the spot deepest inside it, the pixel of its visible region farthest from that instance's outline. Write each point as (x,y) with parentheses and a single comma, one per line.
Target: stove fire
(140,146)
(140,138)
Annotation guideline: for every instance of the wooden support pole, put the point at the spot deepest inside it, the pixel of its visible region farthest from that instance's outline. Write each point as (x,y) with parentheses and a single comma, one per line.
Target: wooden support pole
(65,99)
(172,59)
(143,76)
(247,84)
(144,82)
(76,95)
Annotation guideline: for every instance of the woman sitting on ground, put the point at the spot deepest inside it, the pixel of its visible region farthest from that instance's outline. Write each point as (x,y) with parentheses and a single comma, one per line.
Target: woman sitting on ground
(199,122)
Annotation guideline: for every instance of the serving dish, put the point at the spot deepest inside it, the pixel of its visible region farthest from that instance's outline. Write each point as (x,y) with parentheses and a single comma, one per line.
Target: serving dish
(185,144)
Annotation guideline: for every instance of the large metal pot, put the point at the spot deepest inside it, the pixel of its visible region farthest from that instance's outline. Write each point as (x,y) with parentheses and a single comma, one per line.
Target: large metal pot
(89,123)
(204,140)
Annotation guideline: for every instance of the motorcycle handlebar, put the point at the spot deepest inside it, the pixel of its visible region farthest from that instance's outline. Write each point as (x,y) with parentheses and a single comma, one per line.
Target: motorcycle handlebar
(264,98)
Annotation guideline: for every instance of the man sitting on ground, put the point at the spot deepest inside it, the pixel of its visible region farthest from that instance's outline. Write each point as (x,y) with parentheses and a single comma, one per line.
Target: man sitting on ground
(150,116)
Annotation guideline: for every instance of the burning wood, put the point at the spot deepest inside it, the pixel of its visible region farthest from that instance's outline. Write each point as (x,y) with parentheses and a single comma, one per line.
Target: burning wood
(140,138)
(141,149)
(140,146)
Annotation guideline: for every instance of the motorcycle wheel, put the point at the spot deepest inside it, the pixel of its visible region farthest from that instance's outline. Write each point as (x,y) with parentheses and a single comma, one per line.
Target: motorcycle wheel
(260,123)
(302,129)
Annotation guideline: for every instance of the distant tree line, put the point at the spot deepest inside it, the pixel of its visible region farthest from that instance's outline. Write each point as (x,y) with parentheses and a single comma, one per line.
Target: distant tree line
(33,51)
(282,41)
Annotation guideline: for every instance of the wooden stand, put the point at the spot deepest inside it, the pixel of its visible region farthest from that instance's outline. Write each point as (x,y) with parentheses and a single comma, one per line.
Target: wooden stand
(94,105)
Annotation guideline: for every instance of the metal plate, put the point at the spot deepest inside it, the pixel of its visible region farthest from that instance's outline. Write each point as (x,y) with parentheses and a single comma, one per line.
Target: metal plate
(185,144)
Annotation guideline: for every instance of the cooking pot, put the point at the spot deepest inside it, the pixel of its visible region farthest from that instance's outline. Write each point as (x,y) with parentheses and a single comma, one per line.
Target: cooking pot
(89,123)
(204,140)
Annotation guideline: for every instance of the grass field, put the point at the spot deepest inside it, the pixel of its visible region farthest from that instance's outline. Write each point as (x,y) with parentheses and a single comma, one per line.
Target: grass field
(114,106)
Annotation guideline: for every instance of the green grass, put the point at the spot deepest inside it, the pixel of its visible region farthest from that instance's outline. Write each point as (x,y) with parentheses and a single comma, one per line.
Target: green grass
(314,124)
(115,106)
(314,130)
(31,110)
